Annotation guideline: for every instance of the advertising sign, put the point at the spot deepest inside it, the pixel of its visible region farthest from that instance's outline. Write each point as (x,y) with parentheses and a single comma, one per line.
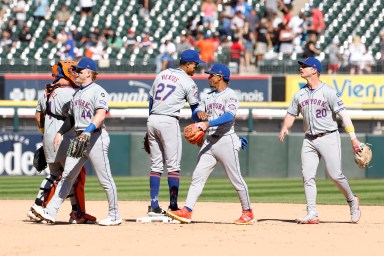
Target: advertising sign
(354,89)
(134,88)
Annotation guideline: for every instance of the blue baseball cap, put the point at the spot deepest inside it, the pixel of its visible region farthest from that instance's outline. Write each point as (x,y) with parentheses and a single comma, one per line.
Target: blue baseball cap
(190,56)
(86,63)
(220,69)
(312,62)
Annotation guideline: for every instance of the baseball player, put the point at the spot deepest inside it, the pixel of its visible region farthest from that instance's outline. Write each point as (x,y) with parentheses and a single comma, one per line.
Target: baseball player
(51,111)
(87,111)
(221,146)
(319,103)
(169,93)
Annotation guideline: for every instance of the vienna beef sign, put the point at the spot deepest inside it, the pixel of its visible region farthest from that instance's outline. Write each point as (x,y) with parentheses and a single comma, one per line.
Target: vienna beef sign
(16,153)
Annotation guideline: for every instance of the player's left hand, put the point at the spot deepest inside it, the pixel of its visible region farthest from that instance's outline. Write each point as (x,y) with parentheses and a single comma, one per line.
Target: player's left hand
(57,141)
(203,115)
(244,142)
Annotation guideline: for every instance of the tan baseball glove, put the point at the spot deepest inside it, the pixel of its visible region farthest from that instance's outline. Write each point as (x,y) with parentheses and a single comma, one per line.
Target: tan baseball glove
(363,155)
(78,146)
(194,133)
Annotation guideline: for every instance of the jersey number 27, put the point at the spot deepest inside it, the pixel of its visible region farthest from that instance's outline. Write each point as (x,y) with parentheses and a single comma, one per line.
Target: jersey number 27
(164,91)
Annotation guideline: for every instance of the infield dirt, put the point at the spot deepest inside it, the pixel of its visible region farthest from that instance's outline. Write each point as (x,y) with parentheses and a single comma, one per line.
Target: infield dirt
(275,232)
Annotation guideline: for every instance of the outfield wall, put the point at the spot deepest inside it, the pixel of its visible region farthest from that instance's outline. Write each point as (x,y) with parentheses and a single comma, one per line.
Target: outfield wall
(265,157)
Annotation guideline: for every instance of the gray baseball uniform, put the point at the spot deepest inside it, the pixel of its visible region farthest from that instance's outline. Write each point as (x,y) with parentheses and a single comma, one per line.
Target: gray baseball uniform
(221,146)
(318,108)
(170,91)
(83,107)
(58,105)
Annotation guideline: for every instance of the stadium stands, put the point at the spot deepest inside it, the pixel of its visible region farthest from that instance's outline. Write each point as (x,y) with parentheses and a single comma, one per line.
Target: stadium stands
(343,18)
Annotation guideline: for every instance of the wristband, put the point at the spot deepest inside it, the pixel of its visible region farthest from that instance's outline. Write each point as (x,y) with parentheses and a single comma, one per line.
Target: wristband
(90,128)
(349,129)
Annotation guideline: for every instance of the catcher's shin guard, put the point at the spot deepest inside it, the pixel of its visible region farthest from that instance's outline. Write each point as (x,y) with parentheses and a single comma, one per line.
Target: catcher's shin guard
(47,190)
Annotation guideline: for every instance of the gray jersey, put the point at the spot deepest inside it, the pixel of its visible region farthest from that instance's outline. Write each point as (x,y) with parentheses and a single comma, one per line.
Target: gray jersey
(85,102)
(318,108)
(170,91)
(58,106)
(215,104)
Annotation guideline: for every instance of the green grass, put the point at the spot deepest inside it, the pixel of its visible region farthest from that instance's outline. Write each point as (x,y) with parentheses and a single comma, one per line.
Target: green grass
(370,191)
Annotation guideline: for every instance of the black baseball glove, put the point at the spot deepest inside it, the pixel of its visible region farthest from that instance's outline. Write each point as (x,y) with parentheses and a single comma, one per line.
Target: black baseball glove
(146,144)
(39,161)
(78,146)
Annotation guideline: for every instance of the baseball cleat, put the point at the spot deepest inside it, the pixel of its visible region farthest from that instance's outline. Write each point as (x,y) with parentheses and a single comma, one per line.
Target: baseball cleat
(109,222)
(84,219)
(157,211)
(310,218)
(183,215)
(32,216)
(246,218)
(355,210)
(42,214)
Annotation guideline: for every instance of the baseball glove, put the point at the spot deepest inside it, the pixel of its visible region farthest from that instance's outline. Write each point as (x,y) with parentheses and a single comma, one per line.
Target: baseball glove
(195,132)
(363,155)
(78,146)
(39,161)
(146,144)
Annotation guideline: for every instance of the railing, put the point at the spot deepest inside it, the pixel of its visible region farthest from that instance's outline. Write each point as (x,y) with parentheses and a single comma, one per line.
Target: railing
(125,66)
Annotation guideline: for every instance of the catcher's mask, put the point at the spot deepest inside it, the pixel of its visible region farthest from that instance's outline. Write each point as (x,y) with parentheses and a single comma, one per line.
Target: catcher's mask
(63,69)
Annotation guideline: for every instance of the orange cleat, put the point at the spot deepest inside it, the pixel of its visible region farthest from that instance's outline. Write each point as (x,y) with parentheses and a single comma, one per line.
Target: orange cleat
(183,215)
(84,219)
(246,218)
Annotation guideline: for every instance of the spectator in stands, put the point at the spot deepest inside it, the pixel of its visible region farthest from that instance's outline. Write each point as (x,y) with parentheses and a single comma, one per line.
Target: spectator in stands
(207,50)
(50,37)
(357,51)
(145,8)
(86,7)
(296,24)
(226,18)
(78,36)
(69,48)
(21,14)
(11,27)
(130,41)
(25,35)
(166,55)
(249,47)
(183,45)
(115,41)
(42,9)
(367,62)
(209,11)
(307,27)
(263,39)
(97,50)
(146,42)
(318,21)
(63,15)
(287,16)
(93,35)
(238,24)
(237,51)
(253,21)
(62,37)
(107,33)
(334,56)
(285,5)
(6,42)
(271,7)
(243,7)
(310,49)
(286,37)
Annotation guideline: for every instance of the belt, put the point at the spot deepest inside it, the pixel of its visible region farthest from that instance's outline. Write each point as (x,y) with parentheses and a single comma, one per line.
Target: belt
(166,115)
(81,131)
(318,135)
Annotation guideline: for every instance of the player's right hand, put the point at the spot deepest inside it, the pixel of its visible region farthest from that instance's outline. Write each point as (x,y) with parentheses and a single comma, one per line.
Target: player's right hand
(283,132)
(203,115)
(57,141)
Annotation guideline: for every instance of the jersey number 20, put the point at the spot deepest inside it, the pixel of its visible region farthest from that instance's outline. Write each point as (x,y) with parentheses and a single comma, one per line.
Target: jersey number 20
(163,91)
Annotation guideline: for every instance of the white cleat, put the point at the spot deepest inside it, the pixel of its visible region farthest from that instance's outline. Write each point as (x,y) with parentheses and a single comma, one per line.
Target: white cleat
(32,216)
(109,222)
(310,218)
(355,210)
(42,214)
